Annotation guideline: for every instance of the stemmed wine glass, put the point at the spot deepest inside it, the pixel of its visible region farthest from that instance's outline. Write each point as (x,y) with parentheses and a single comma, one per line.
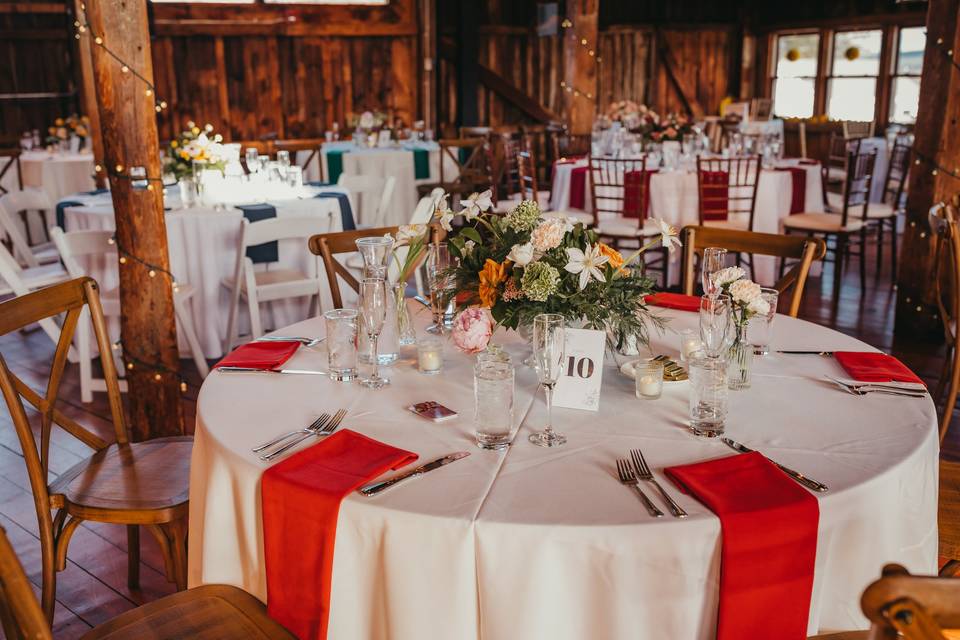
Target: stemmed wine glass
(712,261)
(253,160)
(373,310)
(548,352)
(715,324)
(440,282)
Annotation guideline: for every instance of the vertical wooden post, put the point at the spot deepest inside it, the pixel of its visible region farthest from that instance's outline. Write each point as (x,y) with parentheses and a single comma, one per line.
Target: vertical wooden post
(128,125)
(88,97)
(579,67)
(468,52)
(428,73)
(937,138)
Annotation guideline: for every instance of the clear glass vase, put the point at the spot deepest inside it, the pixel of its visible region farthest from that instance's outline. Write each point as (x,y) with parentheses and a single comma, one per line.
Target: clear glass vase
(739,360)
(406,334)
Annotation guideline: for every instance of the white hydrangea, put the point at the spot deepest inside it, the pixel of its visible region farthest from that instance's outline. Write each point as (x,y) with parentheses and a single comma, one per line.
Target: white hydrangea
(759,307)
(726,276)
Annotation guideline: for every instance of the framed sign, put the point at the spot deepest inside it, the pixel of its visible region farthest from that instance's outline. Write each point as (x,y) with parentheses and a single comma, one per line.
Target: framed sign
(579,384)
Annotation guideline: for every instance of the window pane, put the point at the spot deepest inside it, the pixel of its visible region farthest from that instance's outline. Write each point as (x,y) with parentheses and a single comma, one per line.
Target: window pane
(910,51)
(793,97)
(864,49)
(851,99)
(801,47)
(904,101)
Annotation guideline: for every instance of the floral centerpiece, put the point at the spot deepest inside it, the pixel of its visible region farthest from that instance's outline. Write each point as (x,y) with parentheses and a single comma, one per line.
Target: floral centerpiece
(746,301)
(194,144)
(367,121)
(521,264)
(673,126)
(65,128)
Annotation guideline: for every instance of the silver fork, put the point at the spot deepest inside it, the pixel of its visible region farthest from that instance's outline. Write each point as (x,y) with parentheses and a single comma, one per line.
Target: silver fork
(643,473)
(307,342)
(329,428)
(628,478)
(864,389)
(316,424)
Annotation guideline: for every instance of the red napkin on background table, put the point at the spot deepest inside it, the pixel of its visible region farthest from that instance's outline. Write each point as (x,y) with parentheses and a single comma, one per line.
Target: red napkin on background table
(301,501)
(798,193)
(678,301)
(578,187)
(636,193)
(808,161)
(874,367)
(715,195)
(260,355)
(769,530)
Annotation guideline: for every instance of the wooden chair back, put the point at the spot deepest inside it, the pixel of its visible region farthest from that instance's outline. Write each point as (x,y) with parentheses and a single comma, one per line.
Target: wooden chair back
(471,157)
(804,250)
(475,132)
(527,176)
(608,193)
(569,145)
(901,606)
(507,176)
(856,189)
(330,245)
(897,171)
(854,130)
(839,150)
(20,612)
(761,108)
(739,198)
(10,161)
(945,223)
(311,152)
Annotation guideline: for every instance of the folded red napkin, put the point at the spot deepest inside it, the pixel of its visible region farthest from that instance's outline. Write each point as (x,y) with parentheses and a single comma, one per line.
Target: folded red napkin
(798,193)
(769,527)
(636,193)
(809,161)
(578,187)
(874,367)
(268,354)
(301,501)
(715,195)
(677,301)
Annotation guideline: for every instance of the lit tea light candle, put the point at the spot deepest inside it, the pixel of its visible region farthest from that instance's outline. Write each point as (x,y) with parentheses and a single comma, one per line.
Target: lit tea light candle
(649,379)
(690,343)
(429,355)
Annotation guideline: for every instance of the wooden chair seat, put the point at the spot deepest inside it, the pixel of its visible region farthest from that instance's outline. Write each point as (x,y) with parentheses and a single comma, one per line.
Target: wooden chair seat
(881,211)
(949,510)
(213,611)
(842,635)
(143,476)
(821,223)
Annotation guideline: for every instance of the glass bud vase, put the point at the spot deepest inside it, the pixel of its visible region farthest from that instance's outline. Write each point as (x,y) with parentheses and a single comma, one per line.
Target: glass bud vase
(406,334)
(739,360)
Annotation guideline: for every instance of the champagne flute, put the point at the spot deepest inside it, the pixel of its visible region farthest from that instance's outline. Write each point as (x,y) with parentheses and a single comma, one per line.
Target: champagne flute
(440,282)
(373,310)
(712,261)
(253,160)
(715,324)
(548,352)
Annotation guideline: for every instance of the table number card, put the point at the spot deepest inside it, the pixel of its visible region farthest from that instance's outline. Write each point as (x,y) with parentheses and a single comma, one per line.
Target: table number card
(579,384)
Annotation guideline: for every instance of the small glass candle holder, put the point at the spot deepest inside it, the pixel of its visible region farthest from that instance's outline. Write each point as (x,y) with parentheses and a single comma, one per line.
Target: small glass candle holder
(429,355)
(648,376)
(690,343)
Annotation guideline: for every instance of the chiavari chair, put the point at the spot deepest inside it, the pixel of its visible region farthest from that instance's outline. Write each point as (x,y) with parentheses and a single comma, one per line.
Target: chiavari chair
(134,484)
(527,180)
(727,193)
(886,214)
(853,129)
(834,166)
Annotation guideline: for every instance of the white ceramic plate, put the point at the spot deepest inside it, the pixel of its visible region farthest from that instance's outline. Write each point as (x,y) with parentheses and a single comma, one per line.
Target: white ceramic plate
(627,369)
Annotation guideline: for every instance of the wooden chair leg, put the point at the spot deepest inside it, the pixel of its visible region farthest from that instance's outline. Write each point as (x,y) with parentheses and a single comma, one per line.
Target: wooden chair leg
(893,250)
(840,251)
(950,569)
(177,530)
(133,556)
(863,260)
(880,227)
(48,589)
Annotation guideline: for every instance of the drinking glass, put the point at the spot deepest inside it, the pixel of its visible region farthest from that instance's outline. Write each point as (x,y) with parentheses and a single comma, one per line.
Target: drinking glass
(712,261)
(373,310)
(493,403)
(375,251)
(283,157)
(715,325)
(253,160)
(441,284)
(760,327)
(708,395)
(548,353)
(342,344)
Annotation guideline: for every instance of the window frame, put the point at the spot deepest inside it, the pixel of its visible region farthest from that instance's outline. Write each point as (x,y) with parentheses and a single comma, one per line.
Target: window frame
(895,69)
(829,76)
(775,60)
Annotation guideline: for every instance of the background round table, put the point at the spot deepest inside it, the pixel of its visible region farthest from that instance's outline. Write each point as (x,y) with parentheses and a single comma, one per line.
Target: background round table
(545,543)
(58,174)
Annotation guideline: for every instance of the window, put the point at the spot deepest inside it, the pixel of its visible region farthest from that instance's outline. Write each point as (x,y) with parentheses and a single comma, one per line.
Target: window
(795,75)
(852,84)
(905,89)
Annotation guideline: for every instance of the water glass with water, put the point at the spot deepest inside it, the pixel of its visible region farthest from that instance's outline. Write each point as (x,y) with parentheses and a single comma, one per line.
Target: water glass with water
(341,343)
(493,395)
(294,177)
(283,157)
(708,395)
(253,160)
(760,328)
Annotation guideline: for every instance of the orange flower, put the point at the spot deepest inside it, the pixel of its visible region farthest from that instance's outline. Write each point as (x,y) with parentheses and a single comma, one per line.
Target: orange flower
(491,276)
(616,258)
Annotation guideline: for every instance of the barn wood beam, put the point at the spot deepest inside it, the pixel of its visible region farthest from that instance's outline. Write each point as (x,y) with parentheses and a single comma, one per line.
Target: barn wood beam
(32,7)
(687,93)
(580,68)
(515,96)
(937,136)
(128,125)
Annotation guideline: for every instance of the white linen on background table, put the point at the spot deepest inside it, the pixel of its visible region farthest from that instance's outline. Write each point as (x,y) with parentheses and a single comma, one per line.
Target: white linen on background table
(545,543)
(203,250)
(59,174)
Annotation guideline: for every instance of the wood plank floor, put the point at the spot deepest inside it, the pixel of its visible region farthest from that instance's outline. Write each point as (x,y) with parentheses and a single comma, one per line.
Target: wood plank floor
(93,588)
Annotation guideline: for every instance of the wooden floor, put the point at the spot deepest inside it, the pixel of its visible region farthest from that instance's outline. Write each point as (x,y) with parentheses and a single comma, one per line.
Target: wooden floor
(93,588)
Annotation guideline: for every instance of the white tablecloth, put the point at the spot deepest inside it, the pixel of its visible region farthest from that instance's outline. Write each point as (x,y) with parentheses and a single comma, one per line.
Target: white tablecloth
(545,543)
(58,174)
(203,249)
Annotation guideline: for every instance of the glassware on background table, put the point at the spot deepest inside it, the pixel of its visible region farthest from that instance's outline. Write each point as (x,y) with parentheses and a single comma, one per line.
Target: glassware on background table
(294,177)
(713,260)
(373,310)
(375,251)
(648,378)
(342,343)
(690,343)
(493,382)
(715,323)
(429,355)
(253,160)
(283,157)
(548,352)
(760,328)
(441,285)
(708,395)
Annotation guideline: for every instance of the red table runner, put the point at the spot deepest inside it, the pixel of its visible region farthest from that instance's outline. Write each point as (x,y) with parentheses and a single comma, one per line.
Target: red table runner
(874,367)
(798,188)
(678,301)
(260,355)
(769,527)
(301,501)
(578,187)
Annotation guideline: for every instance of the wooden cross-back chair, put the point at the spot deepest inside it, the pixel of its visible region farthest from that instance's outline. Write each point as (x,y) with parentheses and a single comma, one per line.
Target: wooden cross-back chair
(132,484)
(472,159)
(804,250)
(10,161)
(202,613)
(312,148)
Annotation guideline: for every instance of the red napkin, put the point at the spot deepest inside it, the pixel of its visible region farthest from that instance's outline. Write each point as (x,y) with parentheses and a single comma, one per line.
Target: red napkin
(808,161)
(260,355)
(678,301)
(636,193)
(301,501)
(769,527)
(715,195)
(874,367)
(798,194)
(578,187)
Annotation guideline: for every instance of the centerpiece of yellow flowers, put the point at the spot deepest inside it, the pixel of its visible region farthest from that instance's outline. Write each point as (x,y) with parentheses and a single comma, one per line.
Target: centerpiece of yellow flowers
(193,145)
(524,263)
(65,128)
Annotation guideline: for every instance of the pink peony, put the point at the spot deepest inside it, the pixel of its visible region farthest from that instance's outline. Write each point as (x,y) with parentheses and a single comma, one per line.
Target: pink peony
(472,330)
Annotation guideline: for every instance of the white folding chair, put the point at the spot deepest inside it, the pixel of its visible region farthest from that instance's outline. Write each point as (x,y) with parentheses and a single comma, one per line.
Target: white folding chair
(27,200)
(271,284)
(19,281)
(77,245)
(364,189)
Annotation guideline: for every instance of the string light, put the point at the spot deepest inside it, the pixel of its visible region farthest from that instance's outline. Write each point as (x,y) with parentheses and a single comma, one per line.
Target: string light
(568,24)
(133,361)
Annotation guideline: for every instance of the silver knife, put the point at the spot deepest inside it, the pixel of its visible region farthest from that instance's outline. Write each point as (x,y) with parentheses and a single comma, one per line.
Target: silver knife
(826,354)
(281,371)
(809,483)
(374,488)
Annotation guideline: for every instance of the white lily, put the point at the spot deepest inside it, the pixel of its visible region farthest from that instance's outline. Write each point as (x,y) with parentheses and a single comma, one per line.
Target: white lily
(477,203)
(521,254)
(587,263)
(668,235)
(443,213)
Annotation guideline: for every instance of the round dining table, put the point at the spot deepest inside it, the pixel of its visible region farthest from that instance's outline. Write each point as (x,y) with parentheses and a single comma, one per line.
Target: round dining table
(57,173)
(546,543)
